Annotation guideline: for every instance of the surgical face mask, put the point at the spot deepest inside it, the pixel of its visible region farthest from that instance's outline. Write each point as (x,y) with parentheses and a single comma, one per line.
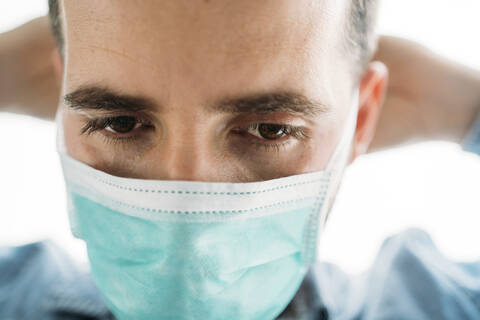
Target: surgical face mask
(199,250)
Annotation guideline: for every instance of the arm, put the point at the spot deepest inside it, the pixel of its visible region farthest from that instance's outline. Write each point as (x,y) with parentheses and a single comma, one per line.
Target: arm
(27,80)
(428,98)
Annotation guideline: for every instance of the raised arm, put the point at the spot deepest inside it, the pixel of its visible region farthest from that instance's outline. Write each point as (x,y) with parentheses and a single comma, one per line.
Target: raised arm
(27,77)
(428,98)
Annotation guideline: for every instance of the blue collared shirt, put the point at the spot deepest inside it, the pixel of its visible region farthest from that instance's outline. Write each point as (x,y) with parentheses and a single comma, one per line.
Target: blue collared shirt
(409,279)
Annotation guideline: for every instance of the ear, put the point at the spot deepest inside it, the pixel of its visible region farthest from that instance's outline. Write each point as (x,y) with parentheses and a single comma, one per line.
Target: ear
(373,86)
(57,63)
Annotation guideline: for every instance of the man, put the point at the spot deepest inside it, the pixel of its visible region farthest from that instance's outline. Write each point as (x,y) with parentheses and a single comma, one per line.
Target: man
(229,92)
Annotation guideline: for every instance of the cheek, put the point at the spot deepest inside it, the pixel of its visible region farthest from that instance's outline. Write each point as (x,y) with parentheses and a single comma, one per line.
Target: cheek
(306,158)
(317,155)
(78,149)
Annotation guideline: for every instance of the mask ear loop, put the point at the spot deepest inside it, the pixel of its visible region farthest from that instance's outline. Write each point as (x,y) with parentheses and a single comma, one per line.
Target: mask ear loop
(333,174)
(60,137)
(347,137)
(339,160)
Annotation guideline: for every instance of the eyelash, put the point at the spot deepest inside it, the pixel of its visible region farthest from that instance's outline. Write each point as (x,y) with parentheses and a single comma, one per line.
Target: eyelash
(298,133)
(295,132)
(94,125)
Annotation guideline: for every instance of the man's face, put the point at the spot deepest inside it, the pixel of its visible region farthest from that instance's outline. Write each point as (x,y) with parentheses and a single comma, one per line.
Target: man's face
(232,91)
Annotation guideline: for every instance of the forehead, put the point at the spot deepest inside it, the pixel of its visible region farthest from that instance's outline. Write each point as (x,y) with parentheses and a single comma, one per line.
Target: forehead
(206,47)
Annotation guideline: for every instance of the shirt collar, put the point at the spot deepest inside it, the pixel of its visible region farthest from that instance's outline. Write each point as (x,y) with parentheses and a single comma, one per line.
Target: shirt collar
(77,296)
(307,302)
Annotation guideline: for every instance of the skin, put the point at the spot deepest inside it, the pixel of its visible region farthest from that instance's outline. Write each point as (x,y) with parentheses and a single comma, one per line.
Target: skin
(184,55)
(27,81)
(429,97)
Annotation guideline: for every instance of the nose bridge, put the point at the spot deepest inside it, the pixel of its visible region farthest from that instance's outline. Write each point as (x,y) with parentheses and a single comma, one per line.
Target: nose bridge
(184,161)
(186,153)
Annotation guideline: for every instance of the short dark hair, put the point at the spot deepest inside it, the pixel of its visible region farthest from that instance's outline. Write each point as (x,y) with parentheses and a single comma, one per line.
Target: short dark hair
(361,32)
(54,14)
(360,35)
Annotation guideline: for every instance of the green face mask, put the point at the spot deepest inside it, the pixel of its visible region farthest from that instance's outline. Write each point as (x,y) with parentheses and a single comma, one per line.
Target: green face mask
(199,250)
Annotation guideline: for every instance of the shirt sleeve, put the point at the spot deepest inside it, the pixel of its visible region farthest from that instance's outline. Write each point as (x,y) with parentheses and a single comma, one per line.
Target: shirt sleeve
(409,279)
(472,140)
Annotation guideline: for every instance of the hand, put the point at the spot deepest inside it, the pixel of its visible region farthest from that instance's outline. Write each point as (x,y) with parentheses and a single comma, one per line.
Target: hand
(27,80)
(428,96)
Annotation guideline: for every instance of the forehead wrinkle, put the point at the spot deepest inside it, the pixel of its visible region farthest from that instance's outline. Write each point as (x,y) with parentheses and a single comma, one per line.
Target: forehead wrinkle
(228,35)
(120,53)
(201,53)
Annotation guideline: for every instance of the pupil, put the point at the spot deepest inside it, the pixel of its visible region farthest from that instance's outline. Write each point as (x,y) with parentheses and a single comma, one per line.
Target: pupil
(271,131)
(123,124)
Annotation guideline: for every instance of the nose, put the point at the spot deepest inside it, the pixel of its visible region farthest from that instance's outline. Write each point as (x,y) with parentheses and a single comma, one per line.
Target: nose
(188,156)
(186,162)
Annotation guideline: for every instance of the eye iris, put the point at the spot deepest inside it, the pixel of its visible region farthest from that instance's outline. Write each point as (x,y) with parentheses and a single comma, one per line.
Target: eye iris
(271,131)
(123,124)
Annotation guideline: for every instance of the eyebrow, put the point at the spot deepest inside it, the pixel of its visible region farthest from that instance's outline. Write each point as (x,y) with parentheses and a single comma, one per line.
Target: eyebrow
(277,101)
(103,99)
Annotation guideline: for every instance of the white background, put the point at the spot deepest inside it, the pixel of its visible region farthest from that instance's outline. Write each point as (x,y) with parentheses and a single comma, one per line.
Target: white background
(434,186)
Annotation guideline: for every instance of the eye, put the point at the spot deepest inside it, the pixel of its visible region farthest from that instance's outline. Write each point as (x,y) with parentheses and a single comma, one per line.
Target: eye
(271,136)
(268,131)
(122,124)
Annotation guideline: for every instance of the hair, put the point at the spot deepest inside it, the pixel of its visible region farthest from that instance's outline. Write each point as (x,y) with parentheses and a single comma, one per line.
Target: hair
(54,14)
(360,30)
(361,39)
